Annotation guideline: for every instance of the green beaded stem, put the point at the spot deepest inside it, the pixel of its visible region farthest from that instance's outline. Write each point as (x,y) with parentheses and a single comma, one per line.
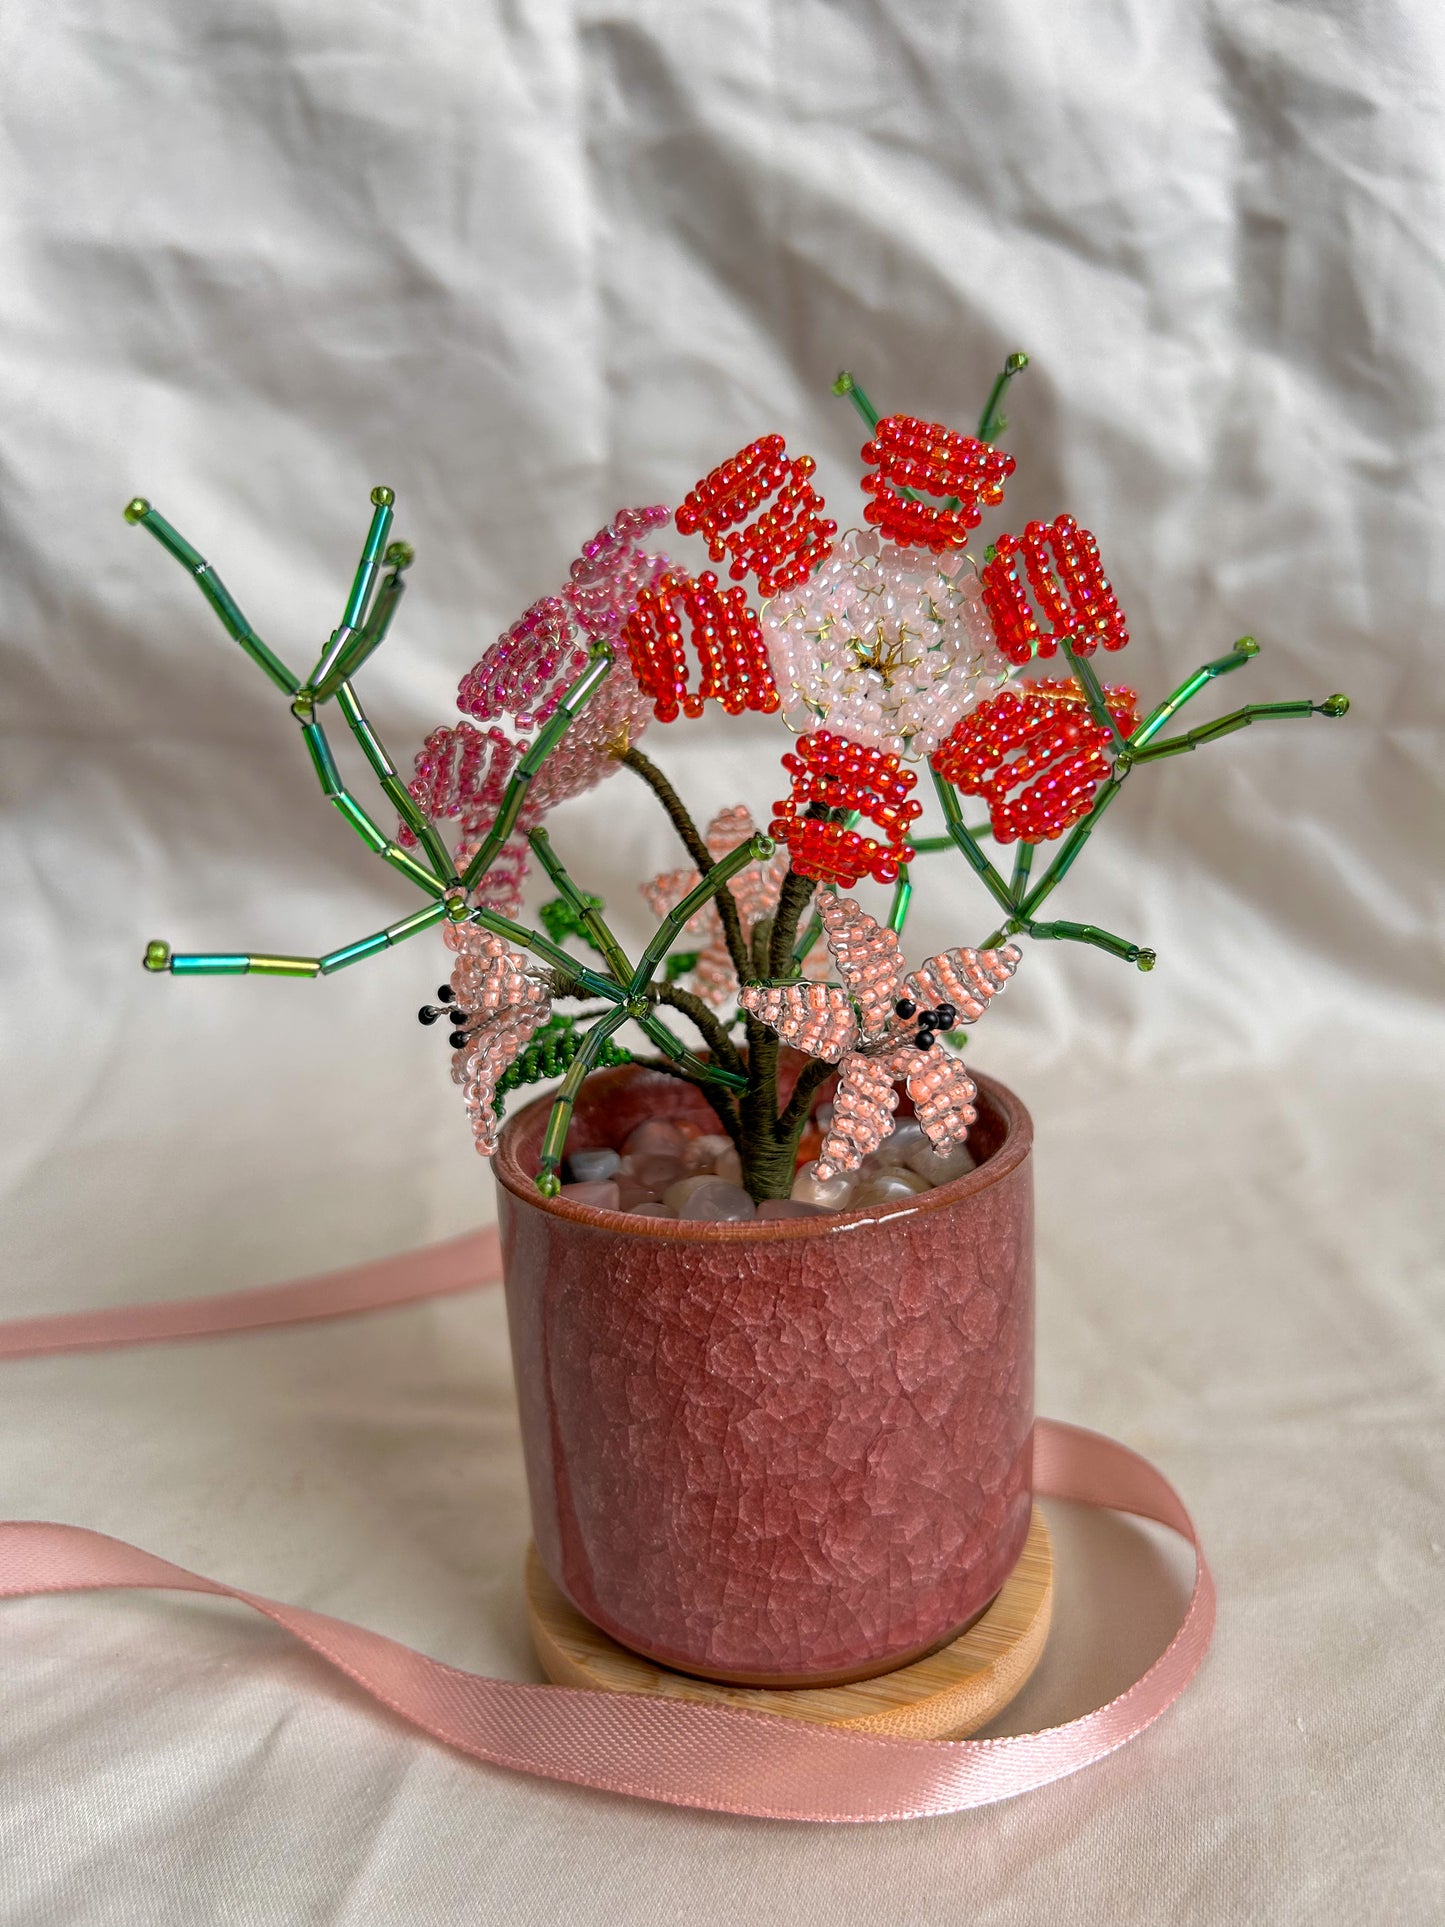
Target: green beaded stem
(697,1067)
(1070,849)
(250,963)
(370,833)
(372,634)
(233,621)
(345,632)
(845,385)
(902,895)
(1245,650)
(384,769)
(1226,725)
(576,698)
(1023,864)
(591,981)
(756,849)
(1089,683)
(1084,933)
(963,839)
(992,422)
(587,909)
(560,1115)
(929,845)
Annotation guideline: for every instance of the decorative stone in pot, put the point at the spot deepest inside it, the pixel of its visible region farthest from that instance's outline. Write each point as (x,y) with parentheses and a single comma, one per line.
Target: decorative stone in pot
(780,1453)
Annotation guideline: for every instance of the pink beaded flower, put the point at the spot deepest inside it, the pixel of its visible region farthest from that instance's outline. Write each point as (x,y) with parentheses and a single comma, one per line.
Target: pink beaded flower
(499,1005)
(462,773)
(755,891)
(881,1028)
(526,671)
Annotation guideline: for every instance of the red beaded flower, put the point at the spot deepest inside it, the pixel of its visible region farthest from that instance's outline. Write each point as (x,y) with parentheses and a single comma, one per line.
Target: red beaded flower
(1069,587)
(783,544)
(928,458)
(724,632)
(831,774)
(1040,741)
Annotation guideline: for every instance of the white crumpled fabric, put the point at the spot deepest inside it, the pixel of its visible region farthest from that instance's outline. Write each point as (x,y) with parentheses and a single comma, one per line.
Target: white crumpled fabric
(526,263)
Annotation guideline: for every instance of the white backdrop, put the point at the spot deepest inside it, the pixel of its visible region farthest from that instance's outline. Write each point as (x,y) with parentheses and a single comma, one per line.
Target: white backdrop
(527,262)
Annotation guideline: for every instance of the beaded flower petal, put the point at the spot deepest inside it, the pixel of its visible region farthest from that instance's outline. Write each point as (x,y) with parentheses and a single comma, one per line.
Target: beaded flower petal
(527,669)
(499,1005)
(884,645)
(879,1029)
(1039,741)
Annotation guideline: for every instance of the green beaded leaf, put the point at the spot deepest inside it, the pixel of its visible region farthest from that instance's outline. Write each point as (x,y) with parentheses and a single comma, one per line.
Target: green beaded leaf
(550,1054)
(561,921)
(679,963)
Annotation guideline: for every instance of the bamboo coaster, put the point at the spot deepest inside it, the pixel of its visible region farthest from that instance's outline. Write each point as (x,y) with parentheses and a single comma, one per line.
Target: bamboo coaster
(951,1693)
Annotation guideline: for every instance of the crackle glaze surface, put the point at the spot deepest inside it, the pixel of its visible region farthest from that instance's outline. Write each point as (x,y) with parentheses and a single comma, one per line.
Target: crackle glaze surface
(785,1452)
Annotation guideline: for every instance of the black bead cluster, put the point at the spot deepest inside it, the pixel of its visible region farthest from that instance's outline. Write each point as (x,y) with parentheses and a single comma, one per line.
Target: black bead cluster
(428,1014)
(929,1021)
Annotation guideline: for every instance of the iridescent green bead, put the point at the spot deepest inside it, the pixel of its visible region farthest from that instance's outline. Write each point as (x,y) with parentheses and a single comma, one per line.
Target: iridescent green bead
(157,955)
(1145,960)
(382,497)
(1336,705)
(137,509)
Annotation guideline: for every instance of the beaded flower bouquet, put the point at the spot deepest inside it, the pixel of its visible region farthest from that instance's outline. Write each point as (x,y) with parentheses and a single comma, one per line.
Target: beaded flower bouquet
(769,1242)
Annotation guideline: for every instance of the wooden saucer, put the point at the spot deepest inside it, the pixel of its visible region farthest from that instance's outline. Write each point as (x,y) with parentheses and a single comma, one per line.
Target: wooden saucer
(951,1693)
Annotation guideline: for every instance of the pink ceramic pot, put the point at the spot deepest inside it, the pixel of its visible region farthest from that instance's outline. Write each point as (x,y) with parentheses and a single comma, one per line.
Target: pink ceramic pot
(788,1453)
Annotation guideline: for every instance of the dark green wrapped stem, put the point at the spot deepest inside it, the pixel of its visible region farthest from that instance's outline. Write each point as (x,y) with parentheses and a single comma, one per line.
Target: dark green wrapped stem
(587,910)
(692,841)
(233,621)
(708,1024)
(581,692)
(793,899)
(963,838)
(1243,651)
(555,1137)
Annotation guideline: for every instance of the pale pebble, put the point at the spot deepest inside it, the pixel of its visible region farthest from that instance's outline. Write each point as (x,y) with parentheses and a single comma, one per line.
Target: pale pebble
(678,1193)
(718,1203)
(831,1193)
(941,1170)
(651,1208)
(656,1137)
(729,1165)
(602,1194)
(655,1169)
(630,1192)
(904,1138)
(703,1152)
(591,1167)
(887,1188)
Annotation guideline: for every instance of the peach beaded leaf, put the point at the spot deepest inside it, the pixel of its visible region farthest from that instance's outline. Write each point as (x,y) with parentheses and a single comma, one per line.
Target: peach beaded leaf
(879,1029)
(500,1005)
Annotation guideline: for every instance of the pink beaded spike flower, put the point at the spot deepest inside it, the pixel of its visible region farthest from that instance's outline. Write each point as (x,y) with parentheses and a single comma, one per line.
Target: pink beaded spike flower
(499,1005)
(880,1028)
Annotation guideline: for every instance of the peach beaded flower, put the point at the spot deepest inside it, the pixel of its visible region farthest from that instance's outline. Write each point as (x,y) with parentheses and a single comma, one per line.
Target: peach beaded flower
(499,1005)
(881,1028)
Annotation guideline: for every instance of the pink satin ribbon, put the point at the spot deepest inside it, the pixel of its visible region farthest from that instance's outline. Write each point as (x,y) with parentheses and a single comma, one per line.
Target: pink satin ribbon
(655,1749)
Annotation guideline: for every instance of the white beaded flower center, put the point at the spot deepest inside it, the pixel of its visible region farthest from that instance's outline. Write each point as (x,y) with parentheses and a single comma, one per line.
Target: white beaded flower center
(888,646)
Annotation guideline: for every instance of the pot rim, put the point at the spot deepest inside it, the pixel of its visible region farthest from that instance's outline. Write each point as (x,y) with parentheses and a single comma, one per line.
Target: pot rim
(1015,1146)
